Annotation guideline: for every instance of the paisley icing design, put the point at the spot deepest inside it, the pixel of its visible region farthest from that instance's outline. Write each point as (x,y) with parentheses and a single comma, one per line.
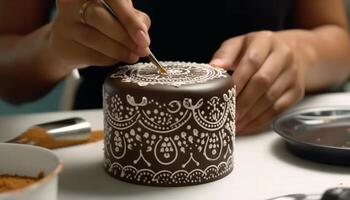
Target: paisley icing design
(153,135)
(178,73)
(213,146)
(211,117)
(119,146)
(169,136)
(165,151)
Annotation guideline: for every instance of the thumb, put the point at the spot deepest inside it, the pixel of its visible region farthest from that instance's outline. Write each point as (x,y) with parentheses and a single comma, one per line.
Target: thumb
(228,53)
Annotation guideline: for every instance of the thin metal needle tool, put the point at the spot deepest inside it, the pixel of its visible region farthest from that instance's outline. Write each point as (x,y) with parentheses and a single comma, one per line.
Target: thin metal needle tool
(150,57)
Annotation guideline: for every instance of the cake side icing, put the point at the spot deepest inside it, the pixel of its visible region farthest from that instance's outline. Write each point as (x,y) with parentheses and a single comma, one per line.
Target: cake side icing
(169,136)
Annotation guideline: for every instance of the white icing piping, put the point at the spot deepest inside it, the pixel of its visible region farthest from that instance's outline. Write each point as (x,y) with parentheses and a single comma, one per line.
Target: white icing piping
(179,73)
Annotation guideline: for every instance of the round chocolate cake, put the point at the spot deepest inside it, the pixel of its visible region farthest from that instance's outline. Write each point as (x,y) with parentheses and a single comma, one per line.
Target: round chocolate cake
(170,129)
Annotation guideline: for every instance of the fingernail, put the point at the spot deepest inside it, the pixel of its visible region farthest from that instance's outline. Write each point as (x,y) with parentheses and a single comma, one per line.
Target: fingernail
(148,51)
(142,38)
(218,62)
(142,51)
(133,58)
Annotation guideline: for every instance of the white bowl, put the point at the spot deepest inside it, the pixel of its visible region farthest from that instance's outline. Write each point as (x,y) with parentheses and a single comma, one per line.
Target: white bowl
(25,160)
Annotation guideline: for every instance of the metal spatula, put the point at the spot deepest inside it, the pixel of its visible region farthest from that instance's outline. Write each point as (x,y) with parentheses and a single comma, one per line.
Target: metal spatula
(56,134)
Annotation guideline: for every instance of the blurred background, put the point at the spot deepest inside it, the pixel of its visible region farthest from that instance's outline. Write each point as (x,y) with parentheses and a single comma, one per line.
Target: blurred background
(60,97)
(51,102)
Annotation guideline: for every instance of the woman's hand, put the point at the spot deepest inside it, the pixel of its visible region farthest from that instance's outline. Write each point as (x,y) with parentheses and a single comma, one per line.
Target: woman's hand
(102,40)
(268,74)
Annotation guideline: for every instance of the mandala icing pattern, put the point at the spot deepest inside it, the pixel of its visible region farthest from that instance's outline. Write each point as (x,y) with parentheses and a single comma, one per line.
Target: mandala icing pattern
(178,73)
(168,139)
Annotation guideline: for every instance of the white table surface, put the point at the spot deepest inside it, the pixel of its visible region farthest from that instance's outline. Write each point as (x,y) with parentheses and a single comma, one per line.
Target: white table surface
(263,166)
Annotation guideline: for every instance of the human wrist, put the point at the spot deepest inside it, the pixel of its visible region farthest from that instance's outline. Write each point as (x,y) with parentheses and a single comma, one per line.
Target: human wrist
(301,42)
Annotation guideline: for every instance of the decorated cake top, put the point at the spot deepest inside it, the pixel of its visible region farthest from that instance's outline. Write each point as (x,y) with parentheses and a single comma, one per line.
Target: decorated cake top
(178,73)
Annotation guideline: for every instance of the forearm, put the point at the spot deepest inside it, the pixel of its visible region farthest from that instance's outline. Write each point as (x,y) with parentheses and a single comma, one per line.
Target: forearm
(28,69)
(325,53)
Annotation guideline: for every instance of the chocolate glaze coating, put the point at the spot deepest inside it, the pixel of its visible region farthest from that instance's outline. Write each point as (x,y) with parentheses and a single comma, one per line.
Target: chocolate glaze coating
(169,130)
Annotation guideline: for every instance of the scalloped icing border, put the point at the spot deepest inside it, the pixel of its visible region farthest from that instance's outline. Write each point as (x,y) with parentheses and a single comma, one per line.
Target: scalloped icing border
(167,178)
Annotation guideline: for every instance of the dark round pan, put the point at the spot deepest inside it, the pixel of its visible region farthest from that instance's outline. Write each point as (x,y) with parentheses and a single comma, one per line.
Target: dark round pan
(319,134)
